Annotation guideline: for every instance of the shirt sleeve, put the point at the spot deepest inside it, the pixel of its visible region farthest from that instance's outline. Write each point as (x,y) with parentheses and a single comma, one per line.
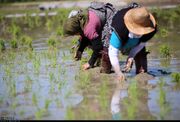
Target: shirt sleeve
(136,49)
(113,56)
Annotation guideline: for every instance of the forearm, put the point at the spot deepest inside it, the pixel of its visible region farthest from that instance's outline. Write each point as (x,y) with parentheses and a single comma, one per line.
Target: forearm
(113,55)
(136,50)
(83,43)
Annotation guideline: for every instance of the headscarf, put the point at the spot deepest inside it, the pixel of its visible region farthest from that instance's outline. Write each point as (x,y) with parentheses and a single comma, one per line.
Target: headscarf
(75,24)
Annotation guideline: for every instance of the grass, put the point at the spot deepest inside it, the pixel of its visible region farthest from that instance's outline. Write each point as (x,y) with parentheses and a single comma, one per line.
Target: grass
(14,43)
(165,51)
(164,105)
(47,103)
(69,114)
(175,77)
(34,99)
(83,79)
(132,101)
(103,95)
(36,64)
(2,45)
(26,40)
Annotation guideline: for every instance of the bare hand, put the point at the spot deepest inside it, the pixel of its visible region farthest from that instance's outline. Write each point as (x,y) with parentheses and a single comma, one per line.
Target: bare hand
(86,66)
(121,77)
(128,66)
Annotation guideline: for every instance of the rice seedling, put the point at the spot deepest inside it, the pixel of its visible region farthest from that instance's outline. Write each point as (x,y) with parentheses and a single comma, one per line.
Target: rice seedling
(39,114)
(51,42)
(165,62)
(163,104)
(2,45)
(49,24)
(47,103)
(22,112)
(59,31)
(30,22)
(58,103)
(103,97)
(14,30)
(1,100)
(52,88)
(34,99)
(131,102)
(37,64)
(65,57)
(37,20)
(61,84)
(69,114)
(165,51)
(14,105)
(12,89)
(14,43)
(51,77)
(83,79)
(28,84)
(26,40)
(164,32)
(175,77)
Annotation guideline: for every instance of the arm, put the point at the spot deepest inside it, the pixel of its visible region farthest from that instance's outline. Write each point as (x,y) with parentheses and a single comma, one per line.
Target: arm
(82,44)
(131,56)
(97,46)
(136,49)
(113,55)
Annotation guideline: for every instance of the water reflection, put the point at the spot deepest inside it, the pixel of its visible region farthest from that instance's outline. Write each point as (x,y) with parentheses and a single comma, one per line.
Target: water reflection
(132,102)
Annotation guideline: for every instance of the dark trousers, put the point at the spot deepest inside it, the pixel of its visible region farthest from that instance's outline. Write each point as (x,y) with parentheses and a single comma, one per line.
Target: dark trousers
(140,61)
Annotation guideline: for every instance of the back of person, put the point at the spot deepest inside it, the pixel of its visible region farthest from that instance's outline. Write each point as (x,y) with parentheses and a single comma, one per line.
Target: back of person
(89,24)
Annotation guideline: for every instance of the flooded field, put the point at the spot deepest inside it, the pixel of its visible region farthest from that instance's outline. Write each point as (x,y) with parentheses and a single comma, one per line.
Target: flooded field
(39,79)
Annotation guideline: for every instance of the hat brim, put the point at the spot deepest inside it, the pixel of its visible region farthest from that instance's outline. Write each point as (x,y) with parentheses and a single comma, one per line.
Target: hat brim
(138,29)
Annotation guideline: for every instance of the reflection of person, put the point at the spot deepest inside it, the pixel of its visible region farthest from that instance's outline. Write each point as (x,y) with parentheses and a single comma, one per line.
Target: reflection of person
(89,25)
(119,109)
(132,28)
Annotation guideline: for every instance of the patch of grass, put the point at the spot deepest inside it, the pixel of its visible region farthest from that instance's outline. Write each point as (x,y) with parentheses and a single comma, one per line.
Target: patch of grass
(132,101)
(52,41)
(39,114)
(70,114)
(14,30)
(165,51)
(83,79)
(47,103)
(2,45)
(176,77)
(103,95)
(34,99)
(26,40)
(14,43)
(164,105)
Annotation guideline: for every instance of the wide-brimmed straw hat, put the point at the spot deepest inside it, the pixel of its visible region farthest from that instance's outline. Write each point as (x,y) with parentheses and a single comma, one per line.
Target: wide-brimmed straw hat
(139,21)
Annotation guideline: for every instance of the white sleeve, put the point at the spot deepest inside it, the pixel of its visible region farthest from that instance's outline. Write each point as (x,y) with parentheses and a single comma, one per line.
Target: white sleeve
(113,56)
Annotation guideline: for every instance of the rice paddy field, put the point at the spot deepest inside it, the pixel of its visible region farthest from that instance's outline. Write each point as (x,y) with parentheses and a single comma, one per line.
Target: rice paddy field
(40,80)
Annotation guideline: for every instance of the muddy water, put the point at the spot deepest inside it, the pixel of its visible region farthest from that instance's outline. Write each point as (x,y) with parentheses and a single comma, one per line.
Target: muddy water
(48,84)
(49,90)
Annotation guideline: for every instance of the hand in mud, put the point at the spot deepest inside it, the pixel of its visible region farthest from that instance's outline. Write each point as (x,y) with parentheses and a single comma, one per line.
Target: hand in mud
(121,77)
(86,66)
(78,55)
(128,66)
